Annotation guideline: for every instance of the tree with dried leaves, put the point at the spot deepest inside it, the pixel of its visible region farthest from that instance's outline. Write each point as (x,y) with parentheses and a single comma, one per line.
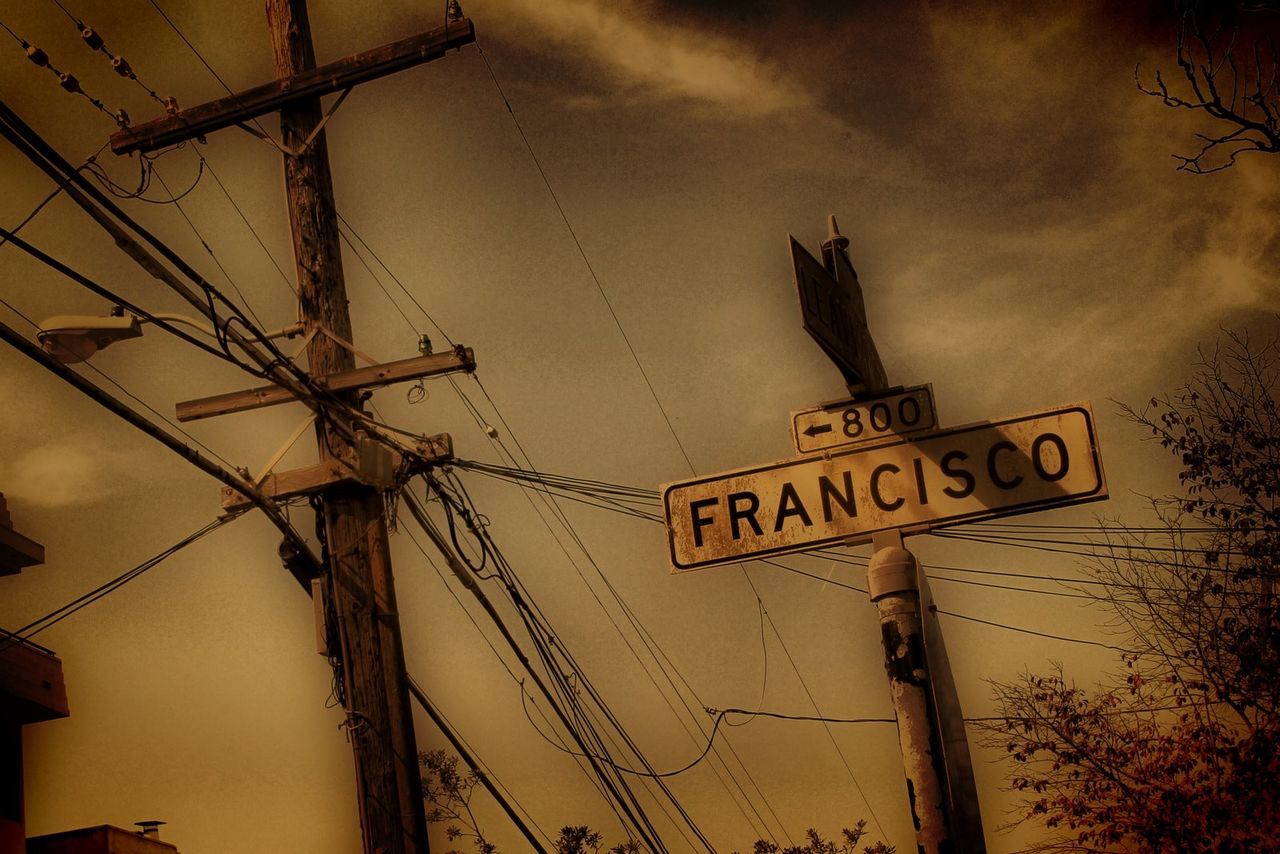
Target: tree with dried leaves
(1228,61)
(1181,750)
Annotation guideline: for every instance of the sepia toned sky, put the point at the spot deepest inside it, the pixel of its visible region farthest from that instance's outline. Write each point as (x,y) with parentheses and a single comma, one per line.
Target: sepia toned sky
(1022,238)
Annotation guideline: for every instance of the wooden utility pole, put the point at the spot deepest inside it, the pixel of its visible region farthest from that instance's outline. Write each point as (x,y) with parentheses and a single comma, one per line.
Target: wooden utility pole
(359,583)
(358,588)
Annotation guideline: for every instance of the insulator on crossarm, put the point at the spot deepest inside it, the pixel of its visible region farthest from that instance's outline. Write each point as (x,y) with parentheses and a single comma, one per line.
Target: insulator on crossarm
(69,82)
(122,118)
(171,107)
(91,38)
(38,56)
(121,66)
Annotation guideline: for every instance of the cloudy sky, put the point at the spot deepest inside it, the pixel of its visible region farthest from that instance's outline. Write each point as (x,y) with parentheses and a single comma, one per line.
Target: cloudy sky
(1022,238)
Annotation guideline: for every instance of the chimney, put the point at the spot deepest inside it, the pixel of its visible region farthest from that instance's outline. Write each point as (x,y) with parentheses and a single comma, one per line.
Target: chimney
(150,829)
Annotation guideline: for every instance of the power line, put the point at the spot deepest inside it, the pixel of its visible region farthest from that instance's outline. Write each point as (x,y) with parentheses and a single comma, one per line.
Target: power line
(114,298)
(555,511)
(720,715)
(1034,546)
(538,627)
(1017,538)
(585,260)
(105,589)
(478,767)
(297,545)
(813,702)
(378,260)
(616,789)
(935,609)
(94,41)
(126,391)
(637,625)
(66,81)
(253,231)
(173,26)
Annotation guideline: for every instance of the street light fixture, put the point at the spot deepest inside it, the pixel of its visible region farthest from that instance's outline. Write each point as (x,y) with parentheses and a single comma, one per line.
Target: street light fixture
(72,338)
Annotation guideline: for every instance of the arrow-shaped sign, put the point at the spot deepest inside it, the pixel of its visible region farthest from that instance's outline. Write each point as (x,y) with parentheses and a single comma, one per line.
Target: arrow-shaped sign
(833,311)
(814,429)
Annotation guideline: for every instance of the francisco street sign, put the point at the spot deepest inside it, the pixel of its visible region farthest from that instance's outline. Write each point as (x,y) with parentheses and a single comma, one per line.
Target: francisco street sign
(866,421)
(1031,462)
(833,311)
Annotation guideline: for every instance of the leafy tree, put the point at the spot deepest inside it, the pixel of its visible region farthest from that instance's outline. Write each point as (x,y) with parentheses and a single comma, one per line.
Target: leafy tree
(580,839)
(1181,750)
(448,795)
(1228,62)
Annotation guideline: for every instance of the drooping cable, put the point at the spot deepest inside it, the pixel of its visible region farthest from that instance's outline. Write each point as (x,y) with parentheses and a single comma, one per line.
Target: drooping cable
(622,804)
(539,631)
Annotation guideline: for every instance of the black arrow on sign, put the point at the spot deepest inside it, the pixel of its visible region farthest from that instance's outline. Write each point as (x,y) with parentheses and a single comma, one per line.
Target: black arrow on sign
(814,429)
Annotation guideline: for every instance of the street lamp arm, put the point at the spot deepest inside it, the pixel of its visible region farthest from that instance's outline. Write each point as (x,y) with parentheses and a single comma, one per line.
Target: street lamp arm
(291,331)
(74,338)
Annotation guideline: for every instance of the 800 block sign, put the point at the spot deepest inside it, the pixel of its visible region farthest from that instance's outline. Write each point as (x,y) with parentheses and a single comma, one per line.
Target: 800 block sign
(861,422)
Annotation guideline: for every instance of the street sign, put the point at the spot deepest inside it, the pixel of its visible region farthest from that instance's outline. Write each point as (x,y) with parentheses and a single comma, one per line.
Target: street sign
(865,421)
(834,314)
(1031,462)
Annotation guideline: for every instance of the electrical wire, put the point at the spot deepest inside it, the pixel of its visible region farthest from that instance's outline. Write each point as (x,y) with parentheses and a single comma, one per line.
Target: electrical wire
(482,771)
(564,521)
(253,231)
(66,81)
(598,700)
(582,252)
(205,243)
(646,637)
(94,41)
(130,394)
(272,363)
(935,609)
(715,728)
(563,703)
(346,224)
(639,627)
(538,629)
(114,298)
(105,589)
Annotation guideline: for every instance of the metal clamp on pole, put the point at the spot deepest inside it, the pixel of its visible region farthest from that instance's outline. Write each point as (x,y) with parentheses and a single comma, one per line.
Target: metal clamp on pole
(892,569)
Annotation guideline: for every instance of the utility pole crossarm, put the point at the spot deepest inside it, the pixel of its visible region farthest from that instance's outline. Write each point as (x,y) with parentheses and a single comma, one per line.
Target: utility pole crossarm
(270,97)
(461,359)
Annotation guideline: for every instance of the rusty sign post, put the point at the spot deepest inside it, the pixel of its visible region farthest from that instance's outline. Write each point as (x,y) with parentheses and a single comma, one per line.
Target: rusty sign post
(878,468)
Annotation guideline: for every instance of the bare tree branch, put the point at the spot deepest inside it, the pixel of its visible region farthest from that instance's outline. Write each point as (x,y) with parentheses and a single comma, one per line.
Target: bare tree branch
(1207,56)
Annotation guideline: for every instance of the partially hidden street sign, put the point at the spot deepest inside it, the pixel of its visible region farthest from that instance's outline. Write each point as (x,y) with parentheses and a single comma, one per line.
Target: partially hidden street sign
(1031,462)
(834,314)
(865,421)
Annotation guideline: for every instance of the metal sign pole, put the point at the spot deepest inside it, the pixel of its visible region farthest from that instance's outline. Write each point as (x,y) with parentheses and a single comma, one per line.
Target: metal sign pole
(891,581)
